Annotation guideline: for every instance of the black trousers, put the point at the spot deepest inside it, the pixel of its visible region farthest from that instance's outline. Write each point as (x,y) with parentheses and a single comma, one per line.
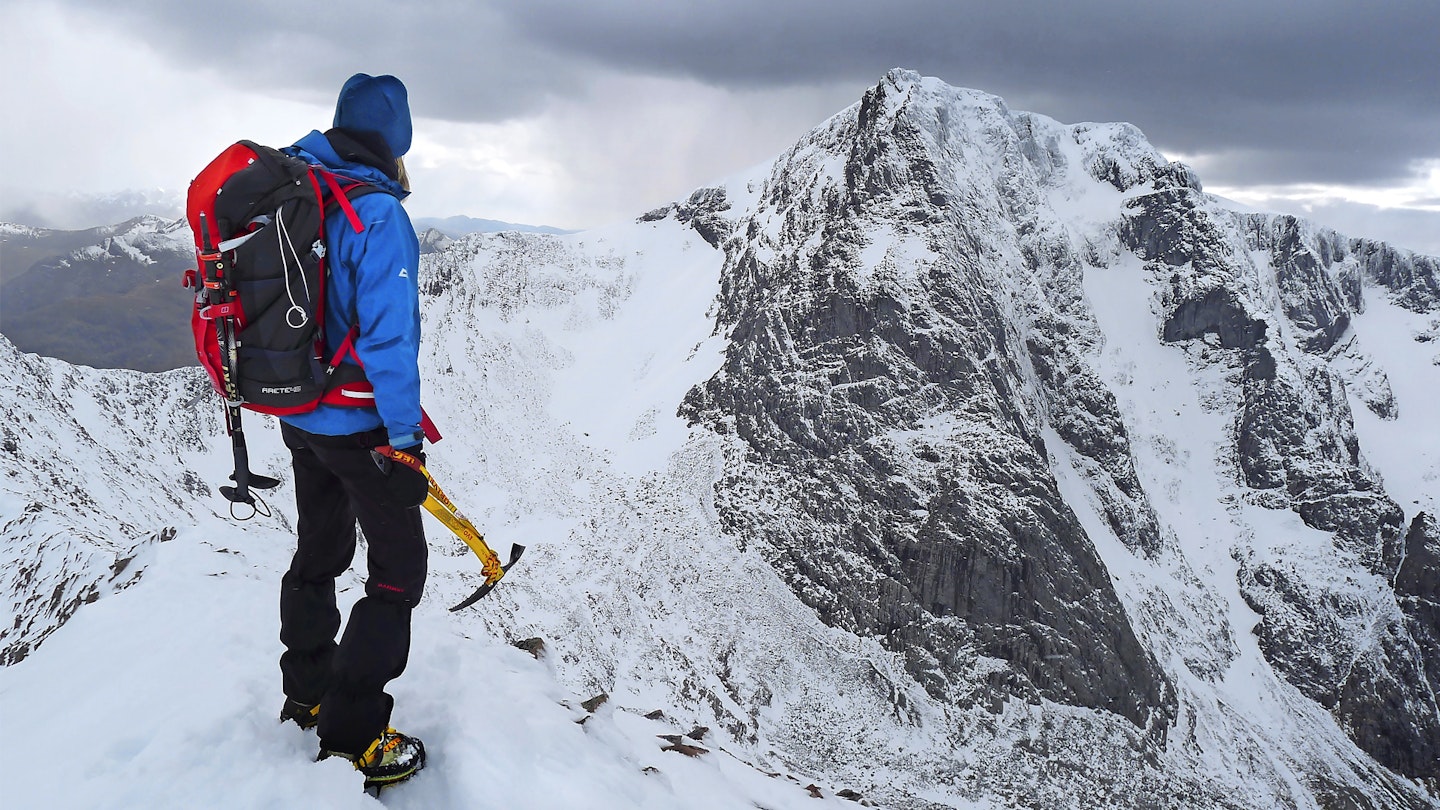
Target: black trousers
(336,484)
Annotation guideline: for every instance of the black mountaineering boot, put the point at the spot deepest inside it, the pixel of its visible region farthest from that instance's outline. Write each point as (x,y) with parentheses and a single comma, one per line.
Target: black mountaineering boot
(303,715)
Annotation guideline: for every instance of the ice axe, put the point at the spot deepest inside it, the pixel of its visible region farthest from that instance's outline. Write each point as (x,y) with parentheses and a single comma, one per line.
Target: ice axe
(440,505)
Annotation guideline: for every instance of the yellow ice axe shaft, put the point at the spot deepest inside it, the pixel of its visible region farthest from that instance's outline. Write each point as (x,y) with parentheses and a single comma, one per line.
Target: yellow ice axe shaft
(439,505)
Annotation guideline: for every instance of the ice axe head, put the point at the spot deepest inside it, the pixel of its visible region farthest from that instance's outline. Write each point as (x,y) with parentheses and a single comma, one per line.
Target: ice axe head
(480,592)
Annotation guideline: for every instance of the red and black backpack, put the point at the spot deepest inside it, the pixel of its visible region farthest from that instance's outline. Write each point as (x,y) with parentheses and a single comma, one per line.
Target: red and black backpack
(258,216)
(259,317)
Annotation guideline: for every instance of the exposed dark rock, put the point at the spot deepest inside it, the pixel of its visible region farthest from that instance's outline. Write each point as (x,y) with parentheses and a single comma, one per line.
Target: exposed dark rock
(1295,431)
(1414,279)
(1310,631)
(1083,411)
(702,212)
(1311,298)
(1367,682)
(945,543)
(1419,575)
(1295,435)
(534,646)
(1417,589)
(1217,310)
(1171,226)
(679,746)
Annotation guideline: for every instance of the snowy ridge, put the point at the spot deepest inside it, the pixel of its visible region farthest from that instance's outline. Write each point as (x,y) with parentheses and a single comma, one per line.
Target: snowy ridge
(138,239)
(752,441)
(99,467)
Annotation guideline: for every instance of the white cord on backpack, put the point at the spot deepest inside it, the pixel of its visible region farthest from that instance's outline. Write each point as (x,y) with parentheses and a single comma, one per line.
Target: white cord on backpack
(283,237)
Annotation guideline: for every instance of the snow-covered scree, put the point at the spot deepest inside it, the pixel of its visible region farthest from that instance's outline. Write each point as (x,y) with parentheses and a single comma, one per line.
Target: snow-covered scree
(989,463)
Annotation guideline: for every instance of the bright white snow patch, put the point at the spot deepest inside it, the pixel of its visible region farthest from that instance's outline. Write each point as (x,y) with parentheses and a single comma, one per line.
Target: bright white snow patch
(1406,450)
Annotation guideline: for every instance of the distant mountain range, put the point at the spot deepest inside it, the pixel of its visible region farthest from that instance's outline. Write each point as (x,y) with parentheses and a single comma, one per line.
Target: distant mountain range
(456,227)
(106,297)
(79,213)
(110,297)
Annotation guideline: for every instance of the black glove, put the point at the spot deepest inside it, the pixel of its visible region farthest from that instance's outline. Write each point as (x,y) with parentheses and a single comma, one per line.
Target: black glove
(408,485)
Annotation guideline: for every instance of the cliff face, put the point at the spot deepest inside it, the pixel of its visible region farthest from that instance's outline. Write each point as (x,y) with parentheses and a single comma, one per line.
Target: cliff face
(1281,296)
(912,347)
(888,379)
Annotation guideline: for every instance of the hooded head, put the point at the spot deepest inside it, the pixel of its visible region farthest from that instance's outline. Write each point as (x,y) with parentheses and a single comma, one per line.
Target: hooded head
(376,104)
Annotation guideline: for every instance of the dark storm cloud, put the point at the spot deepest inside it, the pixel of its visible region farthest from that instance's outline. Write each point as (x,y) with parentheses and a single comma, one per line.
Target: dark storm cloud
(1325,90)
(461,60)
(1275,90)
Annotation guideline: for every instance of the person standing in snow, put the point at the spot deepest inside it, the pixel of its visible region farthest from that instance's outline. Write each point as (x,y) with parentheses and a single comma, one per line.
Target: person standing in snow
(339,688)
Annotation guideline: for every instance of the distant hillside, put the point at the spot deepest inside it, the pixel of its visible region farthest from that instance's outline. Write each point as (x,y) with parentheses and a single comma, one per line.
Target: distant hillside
(110,297)
(105,297)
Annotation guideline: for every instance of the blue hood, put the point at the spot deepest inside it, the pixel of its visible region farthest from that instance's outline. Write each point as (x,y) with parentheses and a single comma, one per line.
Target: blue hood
(316,148)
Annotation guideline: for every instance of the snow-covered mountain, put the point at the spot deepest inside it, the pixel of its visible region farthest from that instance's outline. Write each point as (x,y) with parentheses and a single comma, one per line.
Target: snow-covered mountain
(958,457)
(108,297)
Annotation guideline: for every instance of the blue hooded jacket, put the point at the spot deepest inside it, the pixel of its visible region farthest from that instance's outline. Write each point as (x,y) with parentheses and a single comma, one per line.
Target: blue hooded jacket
(373,284)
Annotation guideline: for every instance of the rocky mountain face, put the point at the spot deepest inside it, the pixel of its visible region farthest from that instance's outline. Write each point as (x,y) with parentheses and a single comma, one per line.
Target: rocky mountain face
(959,456)
(909,341)
(896,461)
(1280,296)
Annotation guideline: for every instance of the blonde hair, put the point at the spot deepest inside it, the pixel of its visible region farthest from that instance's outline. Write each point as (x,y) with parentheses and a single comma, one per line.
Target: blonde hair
(402,176)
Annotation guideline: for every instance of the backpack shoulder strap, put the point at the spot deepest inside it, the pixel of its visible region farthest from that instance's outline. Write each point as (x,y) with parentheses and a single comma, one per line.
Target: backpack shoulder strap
(343,195)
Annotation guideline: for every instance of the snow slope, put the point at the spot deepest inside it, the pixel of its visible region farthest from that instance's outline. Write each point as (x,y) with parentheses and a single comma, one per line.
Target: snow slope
(163,696)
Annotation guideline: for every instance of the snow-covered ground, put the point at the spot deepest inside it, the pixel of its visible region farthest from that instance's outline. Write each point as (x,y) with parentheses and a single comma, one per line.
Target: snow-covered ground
(1405,449)
(165,695)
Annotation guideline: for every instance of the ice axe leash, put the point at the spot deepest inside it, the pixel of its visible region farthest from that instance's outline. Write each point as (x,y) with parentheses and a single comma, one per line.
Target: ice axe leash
(439,504)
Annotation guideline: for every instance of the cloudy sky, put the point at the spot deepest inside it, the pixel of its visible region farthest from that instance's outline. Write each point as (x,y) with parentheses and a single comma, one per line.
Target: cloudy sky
(575,113)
